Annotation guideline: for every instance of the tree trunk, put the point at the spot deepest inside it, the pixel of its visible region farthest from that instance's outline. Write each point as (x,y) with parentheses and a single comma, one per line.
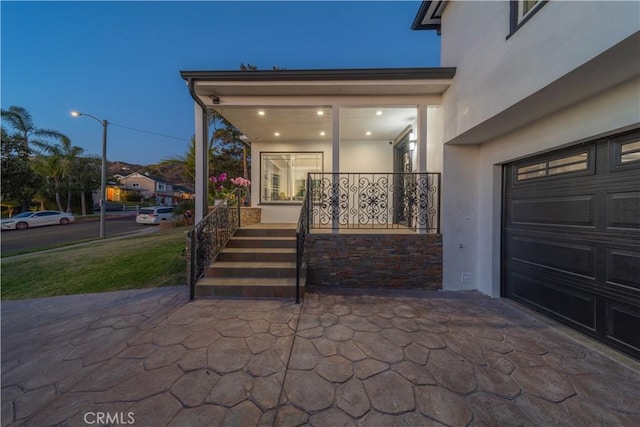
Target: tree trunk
(68,195)
(83,201)
(68,201)
(26,204)
(56,185)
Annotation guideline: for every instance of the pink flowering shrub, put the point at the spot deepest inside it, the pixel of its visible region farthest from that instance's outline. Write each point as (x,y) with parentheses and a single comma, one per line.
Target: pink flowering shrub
(222,189)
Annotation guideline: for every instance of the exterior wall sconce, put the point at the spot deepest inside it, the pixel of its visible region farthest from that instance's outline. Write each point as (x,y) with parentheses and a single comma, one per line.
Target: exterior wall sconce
(412,141)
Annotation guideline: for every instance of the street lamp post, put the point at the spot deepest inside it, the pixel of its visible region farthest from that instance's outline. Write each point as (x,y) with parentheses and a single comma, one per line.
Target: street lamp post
(103,177)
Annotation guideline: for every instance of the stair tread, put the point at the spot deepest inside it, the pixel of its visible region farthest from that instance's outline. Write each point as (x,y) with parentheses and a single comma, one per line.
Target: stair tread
(259,250)
(251,264)
(262,238)
(239,281)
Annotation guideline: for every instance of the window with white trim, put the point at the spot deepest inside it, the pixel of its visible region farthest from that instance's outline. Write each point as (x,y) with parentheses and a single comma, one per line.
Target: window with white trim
(283,176)
(522,10)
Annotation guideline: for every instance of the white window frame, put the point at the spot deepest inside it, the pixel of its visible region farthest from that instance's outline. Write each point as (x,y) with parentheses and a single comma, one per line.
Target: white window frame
(287,181)
(518,17)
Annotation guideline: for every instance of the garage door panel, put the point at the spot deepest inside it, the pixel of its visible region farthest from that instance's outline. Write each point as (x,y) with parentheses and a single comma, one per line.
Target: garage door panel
(622,325)
(576,210)
(623,210)
(568,303)
(571,238)
(623,268)
(566,257)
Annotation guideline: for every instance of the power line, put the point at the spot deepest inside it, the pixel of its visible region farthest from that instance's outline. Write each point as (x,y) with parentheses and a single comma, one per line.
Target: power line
(148,132)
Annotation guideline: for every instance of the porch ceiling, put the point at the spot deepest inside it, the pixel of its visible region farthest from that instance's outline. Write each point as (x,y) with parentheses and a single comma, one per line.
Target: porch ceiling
(300,124)
(381,102)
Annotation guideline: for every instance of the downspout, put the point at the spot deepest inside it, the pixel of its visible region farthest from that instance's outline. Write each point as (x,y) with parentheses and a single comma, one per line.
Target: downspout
(201,213)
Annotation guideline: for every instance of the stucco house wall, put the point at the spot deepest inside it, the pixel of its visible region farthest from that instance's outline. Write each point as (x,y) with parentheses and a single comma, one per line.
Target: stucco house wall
(495,73)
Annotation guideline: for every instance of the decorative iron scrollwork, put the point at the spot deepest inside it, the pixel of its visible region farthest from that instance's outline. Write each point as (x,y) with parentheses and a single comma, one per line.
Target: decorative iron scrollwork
(374,200)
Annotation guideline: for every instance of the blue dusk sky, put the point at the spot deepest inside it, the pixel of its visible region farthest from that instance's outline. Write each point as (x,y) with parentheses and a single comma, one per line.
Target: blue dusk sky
(120,61)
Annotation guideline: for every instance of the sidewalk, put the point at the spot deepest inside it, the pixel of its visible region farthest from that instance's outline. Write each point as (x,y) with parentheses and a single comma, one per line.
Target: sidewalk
(415,359)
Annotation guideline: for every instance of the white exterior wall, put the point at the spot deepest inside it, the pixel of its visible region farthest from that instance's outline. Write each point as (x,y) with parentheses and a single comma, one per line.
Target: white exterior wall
(434,139)
(366,156)
(472,196)
(494,73)
(274,213)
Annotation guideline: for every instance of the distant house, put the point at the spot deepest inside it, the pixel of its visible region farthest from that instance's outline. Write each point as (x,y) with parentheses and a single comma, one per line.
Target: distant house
(150,187)
(181,192)
(117,193)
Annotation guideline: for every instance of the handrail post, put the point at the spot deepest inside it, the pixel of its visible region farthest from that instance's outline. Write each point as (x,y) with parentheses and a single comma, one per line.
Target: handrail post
(192,261)
(238,198)
(298,255)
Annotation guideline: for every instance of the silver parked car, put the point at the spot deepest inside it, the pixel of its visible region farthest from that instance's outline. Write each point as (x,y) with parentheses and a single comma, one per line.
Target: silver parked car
(155,214)
(25,220)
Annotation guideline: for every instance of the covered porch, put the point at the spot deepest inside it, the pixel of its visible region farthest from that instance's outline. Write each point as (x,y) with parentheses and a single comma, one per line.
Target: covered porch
(348,159)
(324,122)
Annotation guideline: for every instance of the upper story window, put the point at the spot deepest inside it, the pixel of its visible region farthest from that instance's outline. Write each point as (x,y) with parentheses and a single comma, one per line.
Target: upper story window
(525,7)
(160,186)
(521,11)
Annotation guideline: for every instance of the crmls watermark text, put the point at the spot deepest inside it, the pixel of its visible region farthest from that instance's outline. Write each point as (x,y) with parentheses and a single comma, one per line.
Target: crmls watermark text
(108,418)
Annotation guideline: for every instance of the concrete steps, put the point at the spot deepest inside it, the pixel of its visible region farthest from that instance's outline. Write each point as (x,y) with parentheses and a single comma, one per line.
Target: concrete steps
(258,262)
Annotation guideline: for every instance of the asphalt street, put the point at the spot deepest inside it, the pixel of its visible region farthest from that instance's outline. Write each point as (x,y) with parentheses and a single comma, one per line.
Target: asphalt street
(80,230)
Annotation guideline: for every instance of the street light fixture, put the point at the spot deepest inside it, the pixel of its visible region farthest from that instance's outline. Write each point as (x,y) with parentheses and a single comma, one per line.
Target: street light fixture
(103,177)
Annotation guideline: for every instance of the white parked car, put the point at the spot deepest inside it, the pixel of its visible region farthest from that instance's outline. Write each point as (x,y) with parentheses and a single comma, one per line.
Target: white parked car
(25,220)
(155,214)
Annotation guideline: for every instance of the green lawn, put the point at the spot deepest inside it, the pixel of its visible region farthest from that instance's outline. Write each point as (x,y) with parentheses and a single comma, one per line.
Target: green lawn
(137,262)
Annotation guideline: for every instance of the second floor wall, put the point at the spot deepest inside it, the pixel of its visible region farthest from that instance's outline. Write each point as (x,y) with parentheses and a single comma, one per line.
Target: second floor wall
(498,67)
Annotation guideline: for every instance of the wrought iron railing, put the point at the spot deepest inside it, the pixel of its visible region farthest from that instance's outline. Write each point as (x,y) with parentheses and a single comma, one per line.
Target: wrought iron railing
(301,233)
(374,200)
(209,236)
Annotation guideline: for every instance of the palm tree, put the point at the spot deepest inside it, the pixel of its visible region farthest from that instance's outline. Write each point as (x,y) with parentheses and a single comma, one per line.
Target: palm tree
(188,161)
(27,135)
(50,168)
(62,161)
(20,121)
(87,177)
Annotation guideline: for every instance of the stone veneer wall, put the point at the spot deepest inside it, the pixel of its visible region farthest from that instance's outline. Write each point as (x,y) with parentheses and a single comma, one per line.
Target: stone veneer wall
(374,260)
(249,216)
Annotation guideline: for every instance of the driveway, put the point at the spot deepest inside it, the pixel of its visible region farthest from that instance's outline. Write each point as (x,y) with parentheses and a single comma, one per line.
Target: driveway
(152,358)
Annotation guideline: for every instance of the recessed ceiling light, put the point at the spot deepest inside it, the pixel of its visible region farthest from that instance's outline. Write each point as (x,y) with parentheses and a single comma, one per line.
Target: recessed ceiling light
(378,113)
(320,112)
(277,134)
(261,113)
(322,133)
(368,133)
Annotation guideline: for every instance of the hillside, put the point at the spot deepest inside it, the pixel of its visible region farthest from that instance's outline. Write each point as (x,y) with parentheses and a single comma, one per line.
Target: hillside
(170,173)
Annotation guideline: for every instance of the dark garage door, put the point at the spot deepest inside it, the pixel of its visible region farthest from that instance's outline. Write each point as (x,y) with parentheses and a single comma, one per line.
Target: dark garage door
(571,237)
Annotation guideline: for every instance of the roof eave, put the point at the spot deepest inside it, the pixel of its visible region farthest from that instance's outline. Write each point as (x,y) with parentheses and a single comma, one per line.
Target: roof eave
(429,15)
(324,74)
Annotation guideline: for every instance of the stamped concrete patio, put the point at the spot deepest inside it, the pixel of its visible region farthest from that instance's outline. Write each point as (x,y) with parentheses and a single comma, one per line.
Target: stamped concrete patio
(411,359)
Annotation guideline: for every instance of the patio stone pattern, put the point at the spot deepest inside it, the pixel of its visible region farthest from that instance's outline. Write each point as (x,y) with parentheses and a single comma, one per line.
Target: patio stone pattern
(381,358)
(374,260)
